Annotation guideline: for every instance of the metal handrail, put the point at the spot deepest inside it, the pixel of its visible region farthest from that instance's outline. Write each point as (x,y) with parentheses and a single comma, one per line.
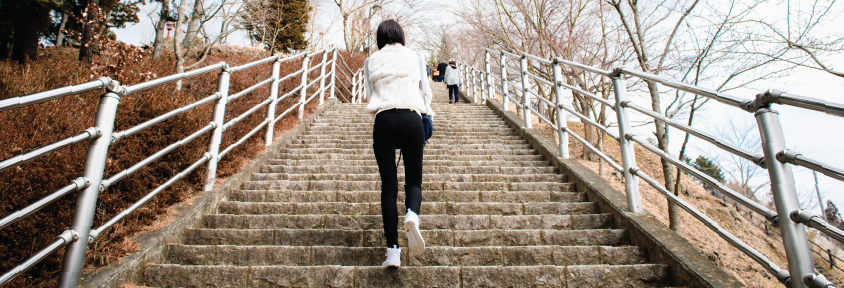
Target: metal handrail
(755,158)
(774,159)
(88,134)
(772,268)
(26,100)
(102,134)
(790,156)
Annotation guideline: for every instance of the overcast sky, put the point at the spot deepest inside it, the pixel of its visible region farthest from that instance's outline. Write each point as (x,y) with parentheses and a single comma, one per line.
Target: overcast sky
(814,134)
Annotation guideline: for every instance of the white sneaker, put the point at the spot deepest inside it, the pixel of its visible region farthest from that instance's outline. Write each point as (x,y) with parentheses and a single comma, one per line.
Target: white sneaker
(393,258)
(414,238)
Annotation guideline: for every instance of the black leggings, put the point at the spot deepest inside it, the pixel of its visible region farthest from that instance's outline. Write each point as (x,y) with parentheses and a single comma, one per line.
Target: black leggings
(455,91)
(398,129)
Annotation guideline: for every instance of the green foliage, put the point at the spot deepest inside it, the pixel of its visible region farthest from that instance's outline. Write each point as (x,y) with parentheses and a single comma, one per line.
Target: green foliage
(707,166)
(278,24)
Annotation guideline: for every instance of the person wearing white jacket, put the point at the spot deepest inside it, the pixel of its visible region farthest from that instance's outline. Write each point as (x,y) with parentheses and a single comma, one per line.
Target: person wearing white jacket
(398,96)
(452,81)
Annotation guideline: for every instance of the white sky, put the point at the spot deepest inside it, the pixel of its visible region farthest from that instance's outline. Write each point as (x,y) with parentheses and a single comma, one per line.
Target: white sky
(812,133)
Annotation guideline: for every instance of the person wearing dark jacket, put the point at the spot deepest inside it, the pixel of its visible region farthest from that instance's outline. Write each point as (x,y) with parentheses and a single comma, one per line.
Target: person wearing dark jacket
(441,69)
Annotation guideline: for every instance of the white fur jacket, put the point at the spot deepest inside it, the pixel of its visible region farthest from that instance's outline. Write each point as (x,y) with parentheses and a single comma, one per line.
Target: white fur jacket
(396,81)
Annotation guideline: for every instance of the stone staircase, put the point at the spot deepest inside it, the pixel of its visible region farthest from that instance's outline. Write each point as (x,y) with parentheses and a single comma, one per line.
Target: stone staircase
(494,213)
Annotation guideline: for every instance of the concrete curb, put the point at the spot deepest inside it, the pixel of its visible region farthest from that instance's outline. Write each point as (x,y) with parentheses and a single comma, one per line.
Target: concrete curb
(689,267)
(153,244)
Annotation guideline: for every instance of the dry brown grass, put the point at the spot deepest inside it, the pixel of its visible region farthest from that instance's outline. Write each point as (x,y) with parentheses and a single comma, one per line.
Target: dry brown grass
(24,129)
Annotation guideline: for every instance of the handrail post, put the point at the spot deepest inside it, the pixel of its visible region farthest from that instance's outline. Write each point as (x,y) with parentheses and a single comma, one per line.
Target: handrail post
(628,156)
(502,61)
(361,82)
(487,78)
(474,85)
(219,121)
(273,101)
(333,73)
(800,262)
(304,91)
(86,201)
(322,78)
(561,118)
(354,89)
(525,99)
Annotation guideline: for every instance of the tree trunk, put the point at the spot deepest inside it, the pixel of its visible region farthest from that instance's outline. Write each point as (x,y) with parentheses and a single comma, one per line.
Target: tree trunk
(196,18)
(161,29)
(28,31)
(180,56)
(347,34)
(674,217)
(60,37)
(85,50)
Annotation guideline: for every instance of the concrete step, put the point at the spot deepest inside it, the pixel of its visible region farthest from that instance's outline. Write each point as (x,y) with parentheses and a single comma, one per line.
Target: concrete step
(375,237)
(427,169)
(172,275)
(459,142)
(427,151)
(428,222)
(335,185)
(430,146)
(401,177)
(467,137)
(427,208)
(432,196)
(368,154)
(458,163)
(433,256)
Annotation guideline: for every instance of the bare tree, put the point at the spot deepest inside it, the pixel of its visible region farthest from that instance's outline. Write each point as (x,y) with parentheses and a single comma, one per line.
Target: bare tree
(576,30)
(161,27)
(357,17)
(803,38)
(227,18)
(197,17)
(748,177)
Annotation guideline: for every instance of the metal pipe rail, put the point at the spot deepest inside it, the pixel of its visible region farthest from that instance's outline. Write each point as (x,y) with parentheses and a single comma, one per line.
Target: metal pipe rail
(101,135)
(173,78)
(590,122)
(708,93)
(143,163)
(246,114)
(819,105)
(587,94)
(89,134)
(793,157)
(68,236)
(755,158)
(815,221)
(149,123)
(78,184)
(35,98)
(772,268)
(593,149)
(117,218)
(776,158)
(756,207)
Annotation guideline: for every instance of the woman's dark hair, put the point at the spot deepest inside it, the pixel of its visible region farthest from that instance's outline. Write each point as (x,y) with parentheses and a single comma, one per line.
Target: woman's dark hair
(389,32)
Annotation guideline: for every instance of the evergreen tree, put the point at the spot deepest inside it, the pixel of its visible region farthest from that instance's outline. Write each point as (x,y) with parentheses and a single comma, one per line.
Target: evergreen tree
(709,167)
(278,24)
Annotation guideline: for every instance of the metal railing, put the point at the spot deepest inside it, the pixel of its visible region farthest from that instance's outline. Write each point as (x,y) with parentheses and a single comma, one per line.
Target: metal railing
(102,135)
(355,93)
(776,159)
